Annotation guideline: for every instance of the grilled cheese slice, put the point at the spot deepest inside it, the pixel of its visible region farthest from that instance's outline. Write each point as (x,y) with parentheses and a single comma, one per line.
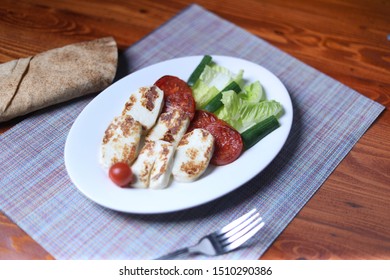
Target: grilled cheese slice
(170,127)
(145,106)
(143,164)
(162,168)
(152,168)
(193,155)
(121,141)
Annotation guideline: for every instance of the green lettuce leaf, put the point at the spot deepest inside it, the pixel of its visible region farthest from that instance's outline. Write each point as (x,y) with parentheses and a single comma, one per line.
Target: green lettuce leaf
(213,79)
(242,114)
(253,93)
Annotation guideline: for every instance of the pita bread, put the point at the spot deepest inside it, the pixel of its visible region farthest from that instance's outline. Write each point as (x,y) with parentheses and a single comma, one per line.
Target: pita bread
(57,75)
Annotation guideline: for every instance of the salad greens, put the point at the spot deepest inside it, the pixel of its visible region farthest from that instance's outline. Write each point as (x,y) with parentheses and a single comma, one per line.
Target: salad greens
(213,79)
(216,102)
(242,114)
(241,110)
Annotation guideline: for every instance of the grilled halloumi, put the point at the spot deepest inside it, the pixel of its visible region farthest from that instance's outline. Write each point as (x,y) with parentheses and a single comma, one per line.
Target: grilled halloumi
(121,141)
(162,168)
(145,106)
(193,155)
(144,163)
(170,127)
(152,168)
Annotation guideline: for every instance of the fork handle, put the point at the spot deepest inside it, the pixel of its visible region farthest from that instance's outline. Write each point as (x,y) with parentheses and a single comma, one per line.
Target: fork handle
(174,254)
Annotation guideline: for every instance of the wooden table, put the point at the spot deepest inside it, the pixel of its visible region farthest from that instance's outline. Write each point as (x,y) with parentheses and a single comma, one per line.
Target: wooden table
(349,217)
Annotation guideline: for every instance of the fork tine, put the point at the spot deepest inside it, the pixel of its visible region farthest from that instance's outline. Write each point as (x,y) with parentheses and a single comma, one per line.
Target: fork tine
(242,236)
(236,222)
(241,232)
(239,227)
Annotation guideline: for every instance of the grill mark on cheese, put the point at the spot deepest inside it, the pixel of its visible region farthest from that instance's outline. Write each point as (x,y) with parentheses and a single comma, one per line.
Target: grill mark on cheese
(170,127)
(205,134)
(176,123)
(191,168)
(168,137)
(129,153)
(192,153)
(109,133)
(208,151)
(127,125)
(148,97)
(143,177)
(165,150)
(149,145)
(163,157)
(129,104)
(184,140)
(144,164)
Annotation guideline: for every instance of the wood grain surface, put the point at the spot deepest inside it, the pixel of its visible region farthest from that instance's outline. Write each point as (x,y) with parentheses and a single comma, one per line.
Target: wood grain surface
(349,217)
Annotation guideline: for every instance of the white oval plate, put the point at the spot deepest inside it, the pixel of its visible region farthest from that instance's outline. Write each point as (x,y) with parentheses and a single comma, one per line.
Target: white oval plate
(84,139)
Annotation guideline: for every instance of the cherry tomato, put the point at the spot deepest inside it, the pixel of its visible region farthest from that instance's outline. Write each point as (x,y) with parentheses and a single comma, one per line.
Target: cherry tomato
(121,174)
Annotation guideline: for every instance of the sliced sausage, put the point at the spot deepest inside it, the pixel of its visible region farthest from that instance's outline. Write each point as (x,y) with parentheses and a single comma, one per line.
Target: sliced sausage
(202,119)
(177,94)
(228,143)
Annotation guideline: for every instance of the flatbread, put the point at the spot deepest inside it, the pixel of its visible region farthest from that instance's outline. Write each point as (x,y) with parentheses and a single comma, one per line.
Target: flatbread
(58,75)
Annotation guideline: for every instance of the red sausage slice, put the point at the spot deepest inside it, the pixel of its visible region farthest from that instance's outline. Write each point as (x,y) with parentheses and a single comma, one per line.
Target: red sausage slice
(202,119)
(228,143)
(177,94)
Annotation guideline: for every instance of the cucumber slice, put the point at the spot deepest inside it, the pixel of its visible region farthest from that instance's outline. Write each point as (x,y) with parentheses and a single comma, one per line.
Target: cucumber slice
(215,103)
(257,132)
(194,77)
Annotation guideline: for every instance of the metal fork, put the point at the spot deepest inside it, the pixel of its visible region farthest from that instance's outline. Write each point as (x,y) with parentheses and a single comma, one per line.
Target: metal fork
(226,239)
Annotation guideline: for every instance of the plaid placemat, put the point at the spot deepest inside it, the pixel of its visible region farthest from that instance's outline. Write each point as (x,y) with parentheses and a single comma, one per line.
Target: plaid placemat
(37,194)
